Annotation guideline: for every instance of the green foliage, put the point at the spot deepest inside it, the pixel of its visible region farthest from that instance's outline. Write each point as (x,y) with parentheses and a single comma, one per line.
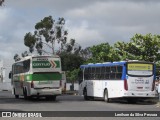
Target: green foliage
(86,54)
(141,47)
(70,61)
(72,75)
(47,32)
(25,54)
(16,57)
(103,53)
(46,24)
(29,39)
(71,47)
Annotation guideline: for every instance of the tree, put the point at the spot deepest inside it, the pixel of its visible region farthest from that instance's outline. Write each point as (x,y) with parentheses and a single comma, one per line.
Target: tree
(16,57)
(47,32)
(71,59)
(86,53)
(103,53)
(141,47)
(72,75)
(25,54)
(29,41)
(71,47)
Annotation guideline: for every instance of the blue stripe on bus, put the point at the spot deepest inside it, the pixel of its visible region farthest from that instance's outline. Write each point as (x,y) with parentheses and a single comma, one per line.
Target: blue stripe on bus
(103,64)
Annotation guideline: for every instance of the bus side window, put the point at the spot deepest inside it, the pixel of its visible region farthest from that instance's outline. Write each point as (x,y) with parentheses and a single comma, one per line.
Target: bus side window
(119,69)
(102,73)
(107,70)
(119,72)
(86,75)
(26,65)
(107,73)
(113,72)
(98,73)
(113,69)
(93,73)
(118,75)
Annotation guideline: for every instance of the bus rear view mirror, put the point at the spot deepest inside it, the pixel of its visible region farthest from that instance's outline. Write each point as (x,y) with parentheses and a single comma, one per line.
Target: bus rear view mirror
(10,75)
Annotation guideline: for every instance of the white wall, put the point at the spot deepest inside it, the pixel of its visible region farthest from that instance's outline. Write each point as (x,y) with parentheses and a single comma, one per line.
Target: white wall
(6,65)
(76,86)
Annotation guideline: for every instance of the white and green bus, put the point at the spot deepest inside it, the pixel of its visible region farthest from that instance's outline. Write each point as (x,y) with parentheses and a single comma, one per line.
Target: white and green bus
(37,76)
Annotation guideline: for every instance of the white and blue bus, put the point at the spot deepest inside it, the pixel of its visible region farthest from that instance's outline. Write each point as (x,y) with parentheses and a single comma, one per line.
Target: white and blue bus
(126,79)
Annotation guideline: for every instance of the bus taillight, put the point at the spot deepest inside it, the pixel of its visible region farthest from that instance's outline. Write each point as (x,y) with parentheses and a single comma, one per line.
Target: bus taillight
(60,83)
(125,84)
(65,85)
(32,84)
(153,85)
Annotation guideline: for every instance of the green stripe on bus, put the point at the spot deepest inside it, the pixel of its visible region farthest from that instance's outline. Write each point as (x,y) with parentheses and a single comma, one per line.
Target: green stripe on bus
(40,77)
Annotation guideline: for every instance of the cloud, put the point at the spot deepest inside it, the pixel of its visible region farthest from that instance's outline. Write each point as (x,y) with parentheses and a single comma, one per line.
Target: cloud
(13,29)
(83,35)
(90,22)
(118,20)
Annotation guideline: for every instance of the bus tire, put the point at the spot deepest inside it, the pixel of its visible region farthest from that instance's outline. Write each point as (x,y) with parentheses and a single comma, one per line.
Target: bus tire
(131,101)
(85,94)
(105,96)
(25,93)
(16,96)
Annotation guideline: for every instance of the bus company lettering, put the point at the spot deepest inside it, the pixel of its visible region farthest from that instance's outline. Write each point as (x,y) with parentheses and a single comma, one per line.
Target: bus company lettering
(41,64)
(139,81)
(42,59)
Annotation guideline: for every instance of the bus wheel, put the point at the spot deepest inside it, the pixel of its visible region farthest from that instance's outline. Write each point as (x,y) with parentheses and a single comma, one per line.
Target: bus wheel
(16,96)
(25,94)
(85,94)
(105,97)
(131,101)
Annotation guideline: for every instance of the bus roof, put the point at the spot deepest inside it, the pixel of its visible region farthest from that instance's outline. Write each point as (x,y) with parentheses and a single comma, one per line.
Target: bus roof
(103,64)
(35,56)
(120,63)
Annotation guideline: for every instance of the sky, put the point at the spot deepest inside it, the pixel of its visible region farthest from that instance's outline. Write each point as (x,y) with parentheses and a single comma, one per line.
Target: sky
(89,22)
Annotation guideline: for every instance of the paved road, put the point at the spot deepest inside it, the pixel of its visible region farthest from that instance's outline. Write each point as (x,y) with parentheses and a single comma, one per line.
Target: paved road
(73,103)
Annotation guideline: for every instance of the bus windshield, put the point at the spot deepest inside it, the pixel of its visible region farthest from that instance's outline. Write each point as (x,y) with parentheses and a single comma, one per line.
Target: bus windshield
(140,69)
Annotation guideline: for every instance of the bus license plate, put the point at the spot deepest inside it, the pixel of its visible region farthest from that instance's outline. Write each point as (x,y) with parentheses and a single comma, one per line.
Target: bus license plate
(44,82)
